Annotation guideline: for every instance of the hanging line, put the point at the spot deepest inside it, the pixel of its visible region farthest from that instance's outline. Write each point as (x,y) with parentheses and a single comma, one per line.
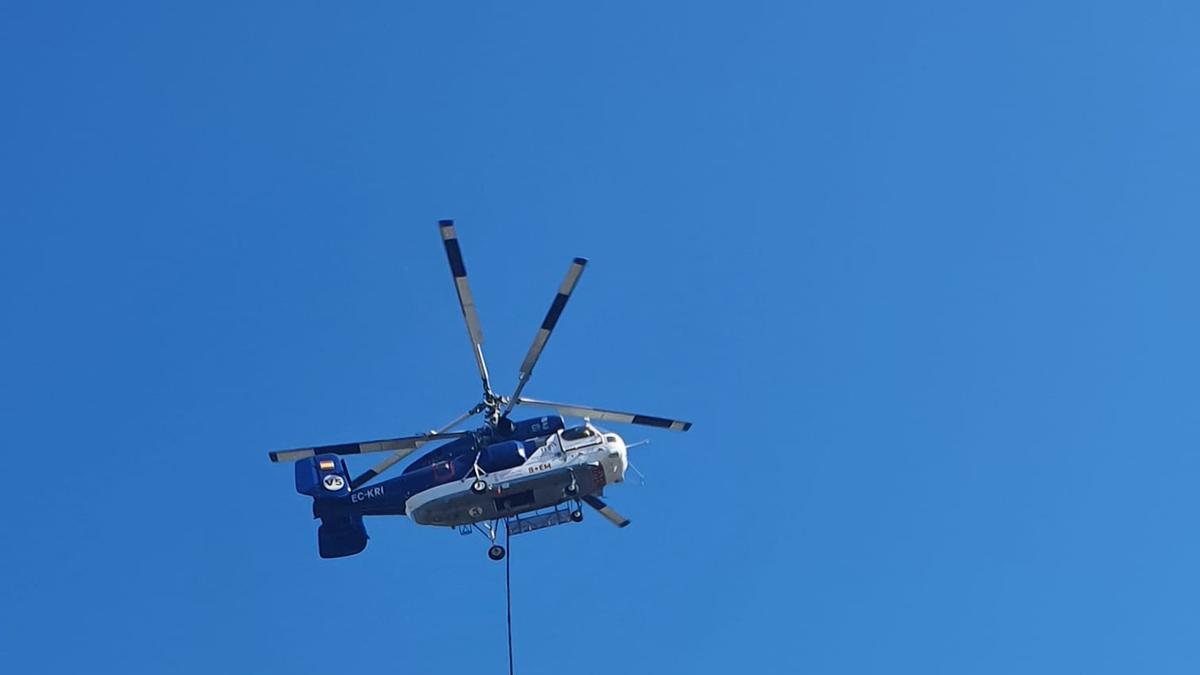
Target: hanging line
(508,596)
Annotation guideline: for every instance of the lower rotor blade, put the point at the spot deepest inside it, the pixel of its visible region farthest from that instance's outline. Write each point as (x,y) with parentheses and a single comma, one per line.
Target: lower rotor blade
(377,469)
(609,415)
(389,462)
(403,443)
(606,511)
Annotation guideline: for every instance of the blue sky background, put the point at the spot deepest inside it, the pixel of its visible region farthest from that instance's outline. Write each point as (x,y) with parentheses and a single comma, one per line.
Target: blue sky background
(923,275)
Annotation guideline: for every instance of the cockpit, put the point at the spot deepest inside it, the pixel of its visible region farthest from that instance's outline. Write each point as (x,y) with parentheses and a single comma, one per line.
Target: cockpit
(588,437)
(579,433)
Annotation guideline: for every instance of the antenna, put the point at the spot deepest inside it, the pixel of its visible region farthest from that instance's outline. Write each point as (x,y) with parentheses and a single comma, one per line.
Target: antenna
(641,476)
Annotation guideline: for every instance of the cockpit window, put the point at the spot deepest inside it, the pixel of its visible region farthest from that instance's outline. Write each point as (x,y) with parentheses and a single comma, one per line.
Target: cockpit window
(576,433)
(611,439)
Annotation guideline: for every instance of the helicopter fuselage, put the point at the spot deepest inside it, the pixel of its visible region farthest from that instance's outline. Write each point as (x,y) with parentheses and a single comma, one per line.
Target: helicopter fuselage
(520,476)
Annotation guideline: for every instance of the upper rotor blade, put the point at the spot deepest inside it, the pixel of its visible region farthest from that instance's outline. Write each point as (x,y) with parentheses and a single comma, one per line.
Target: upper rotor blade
(543,334)
(466,300)
(606,511)
(403,443)
(609,415)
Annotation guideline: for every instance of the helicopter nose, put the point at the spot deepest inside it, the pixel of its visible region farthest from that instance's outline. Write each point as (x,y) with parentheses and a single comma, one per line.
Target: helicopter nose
(617,460)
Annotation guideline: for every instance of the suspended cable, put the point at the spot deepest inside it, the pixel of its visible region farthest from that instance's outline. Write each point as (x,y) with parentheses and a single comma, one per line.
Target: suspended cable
(508,596)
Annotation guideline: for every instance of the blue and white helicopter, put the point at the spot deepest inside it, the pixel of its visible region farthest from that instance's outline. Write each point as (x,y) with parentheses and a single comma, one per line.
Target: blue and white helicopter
(527,474)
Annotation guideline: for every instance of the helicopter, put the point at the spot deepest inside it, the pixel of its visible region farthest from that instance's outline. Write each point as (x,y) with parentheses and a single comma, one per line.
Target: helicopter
(527,475)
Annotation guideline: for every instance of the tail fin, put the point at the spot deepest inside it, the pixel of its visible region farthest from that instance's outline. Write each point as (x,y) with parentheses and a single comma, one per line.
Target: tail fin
(326,480)
(341,536)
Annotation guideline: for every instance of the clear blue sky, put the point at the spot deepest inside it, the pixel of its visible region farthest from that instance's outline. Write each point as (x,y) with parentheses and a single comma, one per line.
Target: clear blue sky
(922,274)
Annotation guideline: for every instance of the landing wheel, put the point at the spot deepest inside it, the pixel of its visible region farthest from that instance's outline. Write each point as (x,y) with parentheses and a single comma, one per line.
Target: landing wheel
(496,553)
(572,490)
(479,487)
(577,516)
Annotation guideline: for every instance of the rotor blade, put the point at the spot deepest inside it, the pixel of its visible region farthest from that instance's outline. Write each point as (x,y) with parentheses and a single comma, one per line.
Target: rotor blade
(458,420)
(388,462)
(543,334)
(379,468)
(466,301)
(606,511)
(404,443)
(609,415)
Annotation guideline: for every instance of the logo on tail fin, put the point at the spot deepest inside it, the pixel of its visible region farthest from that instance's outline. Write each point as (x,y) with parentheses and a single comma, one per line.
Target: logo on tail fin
(334,482)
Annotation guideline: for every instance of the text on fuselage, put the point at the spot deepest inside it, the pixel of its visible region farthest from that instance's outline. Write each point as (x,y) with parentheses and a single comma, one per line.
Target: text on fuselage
(366,494)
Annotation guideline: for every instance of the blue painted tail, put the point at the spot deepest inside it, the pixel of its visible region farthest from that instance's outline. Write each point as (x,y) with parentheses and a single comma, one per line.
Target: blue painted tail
(326,480)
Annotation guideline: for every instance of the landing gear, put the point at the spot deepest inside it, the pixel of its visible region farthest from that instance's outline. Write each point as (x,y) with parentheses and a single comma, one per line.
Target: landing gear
(489,529)
(479,487)
(572,490)
(577,516)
